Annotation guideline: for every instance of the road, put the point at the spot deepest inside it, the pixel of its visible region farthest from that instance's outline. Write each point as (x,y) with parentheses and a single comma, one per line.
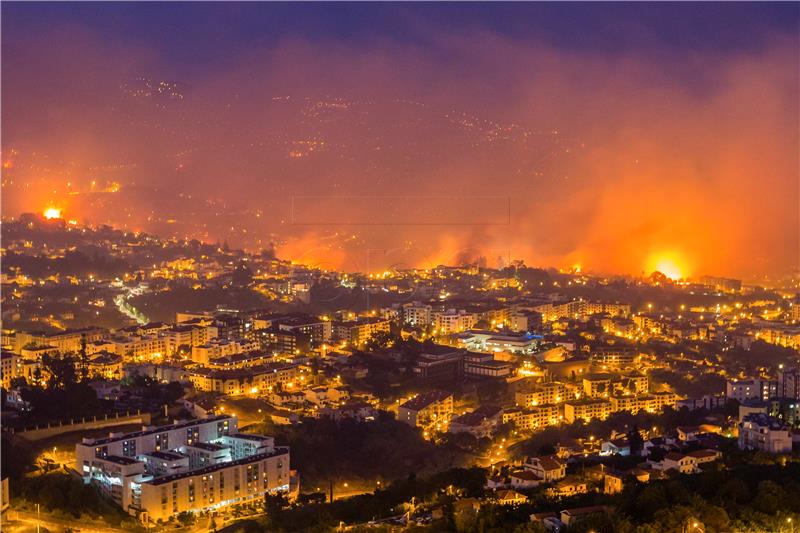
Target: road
(17,520)
(121,301)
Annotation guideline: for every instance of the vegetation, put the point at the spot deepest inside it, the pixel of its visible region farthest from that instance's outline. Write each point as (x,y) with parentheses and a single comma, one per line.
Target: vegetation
(63,495)
(751,498)
(64,396)
(622,422)
(351,450)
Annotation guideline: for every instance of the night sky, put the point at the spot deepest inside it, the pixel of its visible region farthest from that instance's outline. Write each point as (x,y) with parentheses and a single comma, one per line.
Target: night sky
(616,136)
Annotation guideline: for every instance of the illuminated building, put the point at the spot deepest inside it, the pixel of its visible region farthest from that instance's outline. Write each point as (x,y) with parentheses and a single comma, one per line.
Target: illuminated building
(217,348)
(649,324)
(490,341)
(580,309)
(317,331)
(63,341)
(479,423)
(188,336)
(453,321)
(549,468)
(250,380)
(752,389)
(141,348)
(532,418)
(37,352)
(241,360)
(597,385)
(541,393)
(482,365)
(586,410)
(722,284)
(614,357)
(780,334)
(231,327)
(105,365)
(416,314)
(8,368)
(192,466)
(429,411)
(652,403)
(789,383)
(567,487)
(276,340)
(359,332)
(440,363)
(761,432)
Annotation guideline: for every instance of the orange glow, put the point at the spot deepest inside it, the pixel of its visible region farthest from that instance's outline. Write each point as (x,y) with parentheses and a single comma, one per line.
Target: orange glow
(51,213)
(668,264)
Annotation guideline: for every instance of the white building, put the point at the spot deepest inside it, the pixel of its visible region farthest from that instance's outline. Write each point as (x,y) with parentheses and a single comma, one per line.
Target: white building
(751,389)
(761,432)
(189,466)
(417,314)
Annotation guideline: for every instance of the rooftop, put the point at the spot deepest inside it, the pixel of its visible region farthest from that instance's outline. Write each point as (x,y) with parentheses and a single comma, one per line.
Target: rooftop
(159,429)
(219,466)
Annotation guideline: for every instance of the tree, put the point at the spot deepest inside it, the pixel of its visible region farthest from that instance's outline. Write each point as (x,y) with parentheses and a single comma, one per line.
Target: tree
(185,518)
(60,370)
(635,440)
(242,275)
(656,454)
(770,497)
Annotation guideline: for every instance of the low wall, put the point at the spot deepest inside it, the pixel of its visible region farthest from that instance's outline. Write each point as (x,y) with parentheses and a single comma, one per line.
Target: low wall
(96,422)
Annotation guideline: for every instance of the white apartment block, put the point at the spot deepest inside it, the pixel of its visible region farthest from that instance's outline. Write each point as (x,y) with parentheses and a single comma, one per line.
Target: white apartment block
(751,389)
(452,321)
(189,466)
(417,314)
(761,432)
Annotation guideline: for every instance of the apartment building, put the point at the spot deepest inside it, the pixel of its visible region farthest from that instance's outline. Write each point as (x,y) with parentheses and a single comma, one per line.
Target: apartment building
(652,403)
(217,348)
(416,314)
(751,389)
(190,466)
(759,431)
(8,368)
(532,418)
(586,410)
(541,393)
(429,411)
(614,357)
(64,341)
(251,380)
(187,335)
(453,321)
(359,332)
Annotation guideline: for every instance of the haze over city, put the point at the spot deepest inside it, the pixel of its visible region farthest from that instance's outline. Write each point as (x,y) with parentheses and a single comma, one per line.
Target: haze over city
(601,137)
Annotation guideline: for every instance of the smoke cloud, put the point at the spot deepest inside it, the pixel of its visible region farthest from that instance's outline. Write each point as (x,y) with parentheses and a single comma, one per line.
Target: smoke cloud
(611,160)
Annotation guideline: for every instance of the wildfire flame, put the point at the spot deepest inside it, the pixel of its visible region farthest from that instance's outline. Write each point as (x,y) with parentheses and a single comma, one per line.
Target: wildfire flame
(51,213)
